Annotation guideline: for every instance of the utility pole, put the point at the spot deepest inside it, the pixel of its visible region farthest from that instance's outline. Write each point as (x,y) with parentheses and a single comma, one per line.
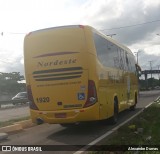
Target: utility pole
(137,55)
(158,66)
(10,33)
(151,71)
(158,70)
(158,75)
(151,67)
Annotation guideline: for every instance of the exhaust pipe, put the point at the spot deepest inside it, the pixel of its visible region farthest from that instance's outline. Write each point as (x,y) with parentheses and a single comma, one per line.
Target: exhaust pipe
(39,121)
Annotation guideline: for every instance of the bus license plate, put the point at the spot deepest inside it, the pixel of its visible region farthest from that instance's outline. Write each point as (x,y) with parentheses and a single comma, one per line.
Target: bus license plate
(60,115)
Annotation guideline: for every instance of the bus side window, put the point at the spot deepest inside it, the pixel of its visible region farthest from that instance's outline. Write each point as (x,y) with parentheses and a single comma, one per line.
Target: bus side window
(132,63)
(138,70)
(122,61)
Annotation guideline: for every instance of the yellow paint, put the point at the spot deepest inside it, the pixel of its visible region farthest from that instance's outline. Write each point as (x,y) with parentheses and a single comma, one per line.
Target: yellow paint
(59,62)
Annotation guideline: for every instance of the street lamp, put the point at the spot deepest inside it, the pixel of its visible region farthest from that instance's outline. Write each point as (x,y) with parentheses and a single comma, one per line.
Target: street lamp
(158,74)
(151,70)
(137,55)
(158,65)
(111,35)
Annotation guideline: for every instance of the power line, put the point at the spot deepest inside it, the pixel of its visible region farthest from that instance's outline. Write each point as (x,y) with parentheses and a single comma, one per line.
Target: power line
(3,61)
(2,33)
(144,23)
(7,61)
(149,22)
(16,33)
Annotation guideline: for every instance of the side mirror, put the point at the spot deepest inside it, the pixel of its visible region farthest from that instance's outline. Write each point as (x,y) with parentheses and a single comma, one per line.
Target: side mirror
(138,70)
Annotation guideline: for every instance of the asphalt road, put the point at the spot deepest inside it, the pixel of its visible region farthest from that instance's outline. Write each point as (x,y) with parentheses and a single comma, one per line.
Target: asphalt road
(82,134)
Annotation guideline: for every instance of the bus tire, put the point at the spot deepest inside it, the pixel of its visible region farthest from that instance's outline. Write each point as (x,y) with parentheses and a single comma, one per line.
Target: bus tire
(114,118)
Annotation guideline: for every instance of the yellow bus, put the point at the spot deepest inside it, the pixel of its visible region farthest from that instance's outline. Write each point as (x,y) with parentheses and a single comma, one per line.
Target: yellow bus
(76,74)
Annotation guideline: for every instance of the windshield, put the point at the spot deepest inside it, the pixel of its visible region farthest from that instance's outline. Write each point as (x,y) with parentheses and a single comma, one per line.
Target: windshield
(22,94)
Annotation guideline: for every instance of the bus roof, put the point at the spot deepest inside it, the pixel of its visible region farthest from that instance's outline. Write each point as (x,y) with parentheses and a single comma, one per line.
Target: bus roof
(59,27)
(85,26)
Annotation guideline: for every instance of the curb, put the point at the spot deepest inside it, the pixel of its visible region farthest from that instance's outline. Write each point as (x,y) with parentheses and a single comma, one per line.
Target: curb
(26,123)
(18,126)
(11,128)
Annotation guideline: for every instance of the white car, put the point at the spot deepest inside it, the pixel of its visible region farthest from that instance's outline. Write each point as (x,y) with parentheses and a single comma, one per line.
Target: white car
(21,97)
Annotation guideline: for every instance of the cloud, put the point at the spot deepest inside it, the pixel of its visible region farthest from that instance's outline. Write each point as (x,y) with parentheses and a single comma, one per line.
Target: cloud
(12,66)
(28,15)
(11,51)
(144,59)
(131,13)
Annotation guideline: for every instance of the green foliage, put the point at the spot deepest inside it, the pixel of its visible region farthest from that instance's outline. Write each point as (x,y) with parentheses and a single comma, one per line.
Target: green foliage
(148,121)
(9,83)
(151,82)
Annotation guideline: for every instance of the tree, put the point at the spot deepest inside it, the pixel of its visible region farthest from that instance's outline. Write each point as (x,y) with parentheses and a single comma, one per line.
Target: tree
(9,83)
(150,83)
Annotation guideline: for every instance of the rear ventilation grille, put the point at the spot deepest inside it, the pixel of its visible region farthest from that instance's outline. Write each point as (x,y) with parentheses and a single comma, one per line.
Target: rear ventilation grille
(58,74)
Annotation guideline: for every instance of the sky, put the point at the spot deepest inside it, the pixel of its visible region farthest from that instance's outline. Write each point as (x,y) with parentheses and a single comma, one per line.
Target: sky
(136,24)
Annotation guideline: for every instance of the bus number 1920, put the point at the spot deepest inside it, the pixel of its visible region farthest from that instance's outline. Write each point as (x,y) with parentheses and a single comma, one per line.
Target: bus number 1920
(43,99)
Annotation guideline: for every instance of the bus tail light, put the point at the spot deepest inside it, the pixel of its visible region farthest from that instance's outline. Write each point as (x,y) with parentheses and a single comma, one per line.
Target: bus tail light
(32,104)
(81,26)
(92,94)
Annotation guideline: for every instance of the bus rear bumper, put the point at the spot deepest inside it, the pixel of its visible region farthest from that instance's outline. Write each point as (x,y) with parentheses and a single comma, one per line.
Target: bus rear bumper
(66,116)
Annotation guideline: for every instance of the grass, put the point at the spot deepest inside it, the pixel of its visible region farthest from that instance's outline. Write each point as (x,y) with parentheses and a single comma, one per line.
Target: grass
(10,122)
(142,130)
